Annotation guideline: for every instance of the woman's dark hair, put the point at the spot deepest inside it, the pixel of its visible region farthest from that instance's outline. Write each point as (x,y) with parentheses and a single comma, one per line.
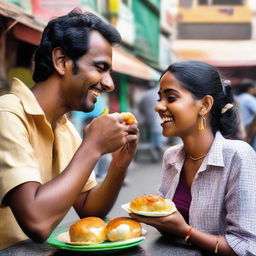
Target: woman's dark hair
(71,33)
(202,79)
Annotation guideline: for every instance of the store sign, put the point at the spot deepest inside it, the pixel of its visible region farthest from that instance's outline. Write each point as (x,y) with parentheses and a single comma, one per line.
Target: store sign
(125,24)
(25,5)
(169,10)
(45,10)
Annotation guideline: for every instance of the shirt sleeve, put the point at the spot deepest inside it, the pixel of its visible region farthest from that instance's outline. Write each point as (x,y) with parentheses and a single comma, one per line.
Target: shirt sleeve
(240,203)
(17,162)
(252,104)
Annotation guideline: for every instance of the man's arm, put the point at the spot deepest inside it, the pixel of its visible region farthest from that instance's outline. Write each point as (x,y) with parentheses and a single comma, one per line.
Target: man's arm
(39,208)
(99,200)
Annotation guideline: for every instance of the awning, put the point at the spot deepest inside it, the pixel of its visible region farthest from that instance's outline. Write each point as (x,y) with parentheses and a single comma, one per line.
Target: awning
(125,63)
(230,53)
(23,25)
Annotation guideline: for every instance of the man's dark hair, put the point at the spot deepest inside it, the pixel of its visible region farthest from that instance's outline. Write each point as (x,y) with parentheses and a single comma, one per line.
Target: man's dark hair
(71,33)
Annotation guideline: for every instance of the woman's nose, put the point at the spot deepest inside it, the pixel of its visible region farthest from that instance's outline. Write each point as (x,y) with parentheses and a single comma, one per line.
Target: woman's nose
(160,107)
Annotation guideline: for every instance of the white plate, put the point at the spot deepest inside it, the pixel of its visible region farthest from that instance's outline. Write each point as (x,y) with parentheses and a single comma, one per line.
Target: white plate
(127,208)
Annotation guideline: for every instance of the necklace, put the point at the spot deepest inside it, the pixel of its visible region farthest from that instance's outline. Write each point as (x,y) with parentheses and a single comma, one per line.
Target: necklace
(197,158)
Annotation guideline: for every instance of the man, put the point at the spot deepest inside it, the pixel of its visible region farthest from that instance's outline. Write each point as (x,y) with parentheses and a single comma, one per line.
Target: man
(247,101)
(45,168)
(247,106)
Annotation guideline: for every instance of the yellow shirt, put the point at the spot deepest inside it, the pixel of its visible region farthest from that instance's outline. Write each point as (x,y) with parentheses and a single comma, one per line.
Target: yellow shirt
(30,150)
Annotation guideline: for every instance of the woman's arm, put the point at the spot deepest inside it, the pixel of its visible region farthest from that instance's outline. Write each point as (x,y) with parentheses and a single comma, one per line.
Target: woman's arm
(175,224)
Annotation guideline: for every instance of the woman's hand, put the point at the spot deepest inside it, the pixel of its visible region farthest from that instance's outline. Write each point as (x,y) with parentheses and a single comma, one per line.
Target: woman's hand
(173,224)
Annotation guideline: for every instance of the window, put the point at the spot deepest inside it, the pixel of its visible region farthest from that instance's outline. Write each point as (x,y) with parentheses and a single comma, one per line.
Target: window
(220,2)
(203,2)
(227,2)
(185,3)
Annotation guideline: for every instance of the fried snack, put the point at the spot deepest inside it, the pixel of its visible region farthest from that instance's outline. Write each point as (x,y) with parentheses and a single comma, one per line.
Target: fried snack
(91,230)
(151,203)
(129,118)
(105,112)
(123,228)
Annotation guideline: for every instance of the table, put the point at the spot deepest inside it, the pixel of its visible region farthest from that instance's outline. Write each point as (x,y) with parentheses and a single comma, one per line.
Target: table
(154,245)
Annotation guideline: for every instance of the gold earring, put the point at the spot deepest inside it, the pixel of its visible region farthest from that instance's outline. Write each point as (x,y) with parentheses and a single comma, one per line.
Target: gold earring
(202,123)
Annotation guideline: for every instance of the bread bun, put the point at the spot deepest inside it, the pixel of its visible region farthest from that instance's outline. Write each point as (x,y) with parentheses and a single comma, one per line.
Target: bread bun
(151,203)
(129,118)
(123,228)
(91,230)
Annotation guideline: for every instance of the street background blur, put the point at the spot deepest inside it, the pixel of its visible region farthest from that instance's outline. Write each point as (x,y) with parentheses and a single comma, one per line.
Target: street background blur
(155,33)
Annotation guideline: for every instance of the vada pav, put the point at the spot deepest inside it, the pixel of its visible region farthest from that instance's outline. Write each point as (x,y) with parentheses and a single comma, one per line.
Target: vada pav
(152,203)
(90,230)
(128,117)
(123,228)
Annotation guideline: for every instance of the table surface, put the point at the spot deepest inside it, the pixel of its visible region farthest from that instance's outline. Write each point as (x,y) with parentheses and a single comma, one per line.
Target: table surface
(154,245)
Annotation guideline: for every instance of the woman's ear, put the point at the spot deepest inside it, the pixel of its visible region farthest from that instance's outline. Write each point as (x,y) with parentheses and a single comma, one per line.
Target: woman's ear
(207,103)
(59,59)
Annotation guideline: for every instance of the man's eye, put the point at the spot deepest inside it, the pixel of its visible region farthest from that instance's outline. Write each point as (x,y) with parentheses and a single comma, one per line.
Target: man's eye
(101,68)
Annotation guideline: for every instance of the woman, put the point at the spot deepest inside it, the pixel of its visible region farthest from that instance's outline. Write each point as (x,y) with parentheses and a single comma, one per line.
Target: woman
(210,179)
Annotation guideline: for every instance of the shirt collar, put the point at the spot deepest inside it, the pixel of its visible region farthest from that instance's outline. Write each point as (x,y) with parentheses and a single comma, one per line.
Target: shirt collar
(177,157)
(214,157)
(29,101)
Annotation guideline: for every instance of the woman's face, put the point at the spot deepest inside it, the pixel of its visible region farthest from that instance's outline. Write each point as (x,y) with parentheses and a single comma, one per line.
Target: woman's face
(177,107)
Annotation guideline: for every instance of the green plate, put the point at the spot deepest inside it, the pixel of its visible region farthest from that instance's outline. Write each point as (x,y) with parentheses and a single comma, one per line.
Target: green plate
(105,246)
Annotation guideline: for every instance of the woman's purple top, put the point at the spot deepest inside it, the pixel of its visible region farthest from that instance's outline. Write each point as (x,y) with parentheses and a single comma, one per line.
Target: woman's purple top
(182,198)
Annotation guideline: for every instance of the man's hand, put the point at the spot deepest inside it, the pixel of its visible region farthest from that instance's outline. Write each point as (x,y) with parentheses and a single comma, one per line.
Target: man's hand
(122,157)
(106,133)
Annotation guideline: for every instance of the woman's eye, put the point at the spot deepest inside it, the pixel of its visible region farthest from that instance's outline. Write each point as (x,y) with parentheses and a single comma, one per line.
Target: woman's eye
(171,98)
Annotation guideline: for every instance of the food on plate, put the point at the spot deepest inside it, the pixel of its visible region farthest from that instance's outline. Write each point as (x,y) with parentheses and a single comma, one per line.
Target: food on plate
(91,230)
(151,203)
(123,228)
(129,118)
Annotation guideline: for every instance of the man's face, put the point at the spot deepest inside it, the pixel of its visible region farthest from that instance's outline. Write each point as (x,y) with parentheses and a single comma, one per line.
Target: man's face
(92,78)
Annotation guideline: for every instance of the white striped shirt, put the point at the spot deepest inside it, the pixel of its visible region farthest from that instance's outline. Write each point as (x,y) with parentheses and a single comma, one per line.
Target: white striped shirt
(223,191)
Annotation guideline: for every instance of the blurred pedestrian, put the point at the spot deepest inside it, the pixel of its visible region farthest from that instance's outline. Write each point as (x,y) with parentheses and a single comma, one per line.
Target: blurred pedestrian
(45,167)
(247,105)
(247,100)
(251,134)
(210,179)
(151,123)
